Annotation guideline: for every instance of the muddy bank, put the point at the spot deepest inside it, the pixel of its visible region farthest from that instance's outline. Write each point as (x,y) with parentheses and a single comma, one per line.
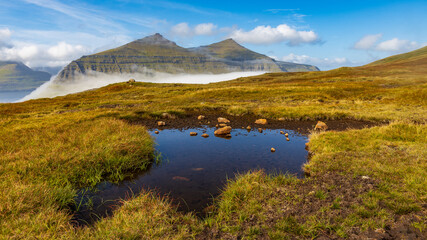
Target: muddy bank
(303,127)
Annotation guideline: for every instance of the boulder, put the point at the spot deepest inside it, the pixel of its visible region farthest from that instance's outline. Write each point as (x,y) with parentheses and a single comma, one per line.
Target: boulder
(223,131)
(161,123)
(201,117)
(205,135)
(321,126)
(273,149)
(193,134)
(131,80)
(223,120)
(261,121)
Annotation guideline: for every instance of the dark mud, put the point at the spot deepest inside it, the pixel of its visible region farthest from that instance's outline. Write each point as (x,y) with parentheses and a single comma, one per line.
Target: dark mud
(303,127)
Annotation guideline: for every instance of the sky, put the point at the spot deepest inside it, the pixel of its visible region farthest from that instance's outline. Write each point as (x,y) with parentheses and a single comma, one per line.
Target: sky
(328,34)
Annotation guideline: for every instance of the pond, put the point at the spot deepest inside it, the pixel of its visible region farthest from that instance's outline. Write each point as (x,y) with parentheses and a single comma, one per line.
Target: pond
(194,169)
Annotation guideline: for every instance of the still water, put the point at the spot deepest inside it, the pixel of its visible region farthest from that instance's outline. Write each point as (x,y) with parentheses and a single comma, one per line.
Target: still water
(194,169)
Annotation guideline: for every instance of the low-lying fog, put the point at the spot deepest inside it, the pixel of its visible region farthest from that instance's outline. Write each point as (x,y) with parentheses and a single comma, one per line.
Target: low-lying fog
(55,88)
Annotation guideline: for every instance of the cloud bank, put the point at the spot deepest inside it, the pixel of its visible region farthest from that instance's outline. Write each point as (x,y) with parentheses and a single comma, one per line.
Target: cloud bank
(265,35)
(93,80)
(184,30)
(322,63)
(395,45)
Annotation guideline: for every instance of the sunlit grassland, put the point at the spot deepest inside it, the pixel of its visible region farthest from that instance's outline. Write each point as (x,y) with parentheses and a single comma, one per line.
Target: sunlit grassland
(49,148)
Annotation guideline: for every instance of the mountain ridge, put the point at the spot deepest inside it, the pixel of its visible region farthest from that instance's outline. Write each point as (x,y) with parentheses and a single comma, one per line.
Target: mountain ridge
(16,76)
(159,54)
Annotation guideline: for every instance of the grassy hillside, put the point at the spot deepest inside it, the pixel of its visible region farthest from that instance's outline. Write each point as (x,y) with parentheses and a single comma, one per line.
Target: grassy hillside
(15,76)
(363,183)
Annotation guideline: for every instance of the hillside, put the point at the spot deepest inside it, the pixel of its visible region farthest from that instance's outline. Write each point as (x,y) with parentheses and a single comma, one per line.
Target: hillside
(16,76)
(159,54)
(366,183)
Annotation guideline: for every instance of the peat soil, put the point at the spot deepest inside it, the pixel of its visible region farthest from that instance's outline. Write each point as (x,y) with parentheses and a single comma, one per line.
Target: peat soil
(305,204)
(190,120)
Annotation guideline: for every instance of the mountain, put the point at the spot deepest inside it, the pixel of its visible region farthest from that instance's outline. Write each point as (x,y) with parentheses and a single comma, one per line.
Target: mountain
(52,70)
(16,76)
(160,54)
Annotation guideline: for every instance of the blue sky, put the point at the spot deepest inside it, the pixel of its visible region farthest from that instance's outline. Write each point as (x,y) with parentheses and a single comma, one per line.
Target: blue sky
(328,34)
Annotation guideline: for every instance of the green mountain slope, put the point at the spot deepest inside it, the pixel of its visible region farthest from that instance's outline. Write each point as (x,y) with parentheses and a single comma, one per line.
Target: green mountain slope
(16,76)
(159,54)
(418,57)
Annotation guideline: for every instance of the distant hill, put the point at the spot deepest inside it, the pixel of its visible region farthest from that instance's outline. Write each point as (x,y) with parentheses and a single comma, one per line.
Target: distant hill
(159,54)
(16,76)
(418,56)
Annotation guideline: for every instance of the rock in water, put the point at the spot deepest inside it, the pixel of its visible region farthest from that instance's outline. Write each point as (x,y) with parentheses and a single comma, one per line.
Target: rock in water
(201,117)
(179,178)
(248,128)
(223,120)
(223,131)
(161,123)
(282,132)
(193,134)
(205,135)
(287,139)
(260,130)
(273,149)
(261,121)
(156,132)
(321,126)
(286,134)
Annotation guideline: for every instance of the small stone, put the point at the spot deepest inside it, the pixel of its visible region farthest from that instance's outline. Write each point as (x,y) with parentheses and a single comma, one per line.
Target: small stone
(286,134)
(321,126)
(248,128)
(281,119)
(223,131)
(365,177)
(161,123)
(282,132)
(273,149)
(287,139)
(261,121)
(311,193)
(222,125)
(193,134)
(260,130)
(131,80)
(201,117)
(223,120)
(156,132)
(306,145)
(379,230)
(217,126)
(168,115)
(205,135)
(198,169)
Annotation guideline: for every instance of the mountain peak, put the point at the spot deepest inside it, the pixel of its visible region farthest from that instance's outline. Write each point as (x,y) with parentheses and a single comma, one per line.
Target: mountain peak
(156,39)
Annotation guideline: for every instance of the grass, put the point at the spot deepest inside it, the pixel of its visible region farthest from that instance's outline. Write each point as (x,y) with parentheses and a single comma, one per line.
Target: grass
(50,148)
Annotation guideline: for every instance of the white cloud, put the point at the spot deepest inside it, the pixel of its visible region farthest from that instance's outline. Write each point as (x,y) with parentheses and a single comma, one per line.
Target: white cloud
(35,55)
(5,34)
(397,45)
(322,63)
(367,42)
(64,50)
(184,30)
(205,29)
(181,29)
(270,35)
